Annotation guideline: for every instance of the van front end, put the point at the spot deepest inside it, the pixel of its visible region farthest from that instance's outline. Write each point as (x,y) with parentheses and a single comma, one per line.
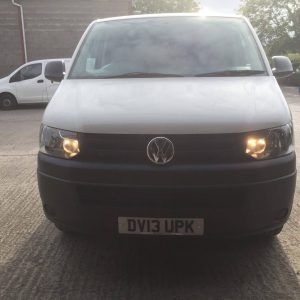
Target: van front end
(113,186)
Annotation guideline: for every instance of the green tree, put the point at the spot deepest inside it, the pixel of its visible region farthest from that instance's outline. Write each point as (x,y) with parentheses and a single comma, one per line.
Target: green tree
(165,6)
(276,22)
(295,42)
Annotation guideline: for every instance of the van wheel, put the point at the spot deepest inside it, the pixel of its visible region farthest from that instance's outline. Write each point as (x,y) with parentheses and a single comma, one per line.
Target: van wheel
(8,102)
(273,232)
(64,229)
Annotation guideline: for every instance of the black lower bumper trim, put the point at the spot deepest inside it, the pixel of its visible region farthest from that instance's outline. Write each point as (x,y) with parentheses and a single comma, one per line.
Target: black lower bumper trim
(231,210)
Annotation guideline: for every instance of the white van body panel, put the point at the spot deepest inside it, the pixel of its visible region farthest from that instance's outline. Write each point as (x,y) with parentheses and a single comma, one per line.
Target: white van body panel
(168,105)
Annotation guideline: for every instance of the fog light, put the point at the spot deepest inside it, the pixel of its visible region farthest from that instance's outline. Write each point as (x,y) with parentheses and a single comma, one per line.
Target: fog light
(71,147)
(256,147)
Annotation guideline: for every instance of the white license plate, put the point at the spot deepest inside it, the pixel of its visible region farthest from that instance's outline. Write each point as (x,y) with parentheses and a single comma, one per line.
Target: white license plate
(160,226)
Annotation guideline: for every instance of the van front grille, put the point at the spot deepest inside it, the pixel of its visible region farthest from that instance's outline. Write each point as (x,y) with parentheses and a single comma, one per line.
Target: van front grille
(189,149)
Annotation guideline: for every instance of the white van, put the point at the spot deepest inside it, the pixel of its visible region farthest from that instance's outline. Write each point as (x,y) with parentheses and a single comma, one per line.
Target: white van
(168,125)
(28,84)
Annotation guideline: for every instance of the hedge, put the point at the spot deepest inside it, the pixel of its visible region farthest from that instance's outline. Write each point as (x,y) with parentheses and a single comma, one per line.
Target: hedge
(295,58)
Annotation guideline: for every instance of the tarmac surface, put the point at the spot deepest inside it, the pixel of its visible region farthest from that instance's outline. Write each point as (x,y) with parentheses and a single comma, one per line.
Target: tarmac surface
(39,262)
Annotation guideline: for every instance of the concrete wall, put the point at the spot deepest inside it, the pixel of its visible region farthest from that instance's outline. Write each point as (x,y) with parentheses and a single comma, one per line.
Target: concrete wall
(53,27)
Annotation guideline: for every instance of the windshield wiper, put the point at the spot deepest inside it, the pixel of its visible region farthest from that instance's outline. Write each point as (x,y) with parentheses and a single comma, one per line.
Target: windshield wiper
(230,73)
(141,75)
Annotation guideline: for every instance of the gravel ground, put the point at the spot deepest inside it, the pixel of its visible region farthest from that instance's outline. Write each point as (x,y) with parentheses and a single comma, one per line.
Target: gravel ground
(39,262)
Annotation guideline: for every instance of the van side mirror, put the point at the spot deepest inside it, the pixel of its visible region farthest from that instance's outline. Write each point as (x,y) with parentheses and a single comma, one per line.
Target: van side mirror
(54,71)
(282,66)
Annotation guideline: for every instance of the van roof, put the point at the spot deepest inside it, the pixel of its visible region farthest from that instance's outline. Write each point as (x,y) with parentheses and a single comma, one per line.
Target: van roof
(168,15)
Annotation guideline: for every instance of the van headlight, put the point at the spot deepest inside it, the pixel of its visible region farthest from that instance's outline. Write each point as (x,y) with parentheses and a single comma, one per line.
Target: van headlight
(59,143)
(270,143)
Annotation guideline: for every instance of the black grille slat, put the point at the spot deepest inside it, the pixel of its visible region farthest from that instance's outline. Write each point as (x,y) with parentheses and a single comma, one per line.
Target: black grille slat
(131,148)
(134,197)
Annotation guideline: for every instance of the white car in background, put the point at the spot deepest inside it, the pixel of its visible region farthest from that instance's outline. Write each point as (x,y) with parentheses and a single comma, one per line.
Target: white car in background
(28,84)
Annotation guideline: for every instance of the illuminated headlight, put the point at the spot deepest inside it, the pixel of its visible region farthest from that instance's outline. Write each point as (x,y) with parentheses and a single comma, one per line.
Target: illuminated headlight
(271,143)
(59,143)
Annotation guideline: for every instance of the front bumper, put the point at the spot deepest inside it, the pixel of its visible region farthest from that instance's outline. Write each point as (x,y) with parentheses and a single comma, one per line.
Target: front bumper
(233,199)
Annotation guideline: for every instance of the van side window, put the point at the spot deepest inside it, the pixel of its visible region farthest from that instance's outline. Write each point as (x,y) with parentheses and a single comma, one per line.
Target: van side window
(28,72)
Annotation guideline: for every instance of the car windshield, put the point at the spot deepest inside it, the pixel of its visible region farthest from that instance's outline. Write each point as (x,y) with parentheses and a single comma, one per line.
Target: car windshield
(168,47)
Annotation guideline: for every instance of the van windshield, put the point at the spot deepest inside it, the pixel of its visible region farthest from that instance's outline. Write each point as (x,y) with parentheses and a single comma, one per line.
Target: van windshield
(168,47)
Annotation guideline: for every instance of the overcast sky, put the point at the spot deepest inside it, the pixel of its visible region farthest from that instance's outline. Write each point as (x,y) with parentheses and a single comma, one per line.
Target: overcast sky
(226,6)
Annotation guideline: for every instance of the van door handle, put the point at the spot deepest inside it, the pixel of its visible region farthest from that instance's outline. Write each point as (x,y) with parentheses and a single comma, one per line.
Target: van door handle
(40,81)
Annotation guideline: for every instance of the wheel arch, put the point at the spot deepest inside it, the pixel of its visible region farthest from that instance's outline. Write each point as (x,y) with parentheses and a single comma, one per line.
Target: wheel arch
(10,94)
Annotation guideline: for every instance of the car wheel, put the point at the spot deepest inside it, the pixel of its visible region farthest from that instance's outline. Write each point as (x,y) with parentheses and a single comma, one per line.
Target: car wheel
(8,102)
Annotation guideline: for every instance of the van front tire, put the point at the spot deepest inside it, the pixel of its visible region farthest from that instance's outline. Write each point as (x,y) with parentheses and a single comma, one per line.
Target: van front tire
(7,102)
(64,229)
(270,234)
(274,232)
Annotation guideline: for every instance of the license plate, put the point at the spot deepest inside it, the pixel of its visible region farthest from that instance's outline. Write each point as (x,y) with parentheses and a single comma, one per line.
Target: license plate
(160,226)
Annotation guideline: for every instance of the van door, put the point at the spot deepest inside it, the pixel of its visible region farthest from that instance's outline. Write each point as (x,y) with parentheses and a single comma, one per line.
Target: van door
(30,84)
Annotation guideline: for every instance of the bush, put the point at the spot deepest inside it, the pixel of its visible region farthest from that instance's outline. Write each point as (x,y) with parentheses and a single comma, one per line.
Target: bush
(295,58)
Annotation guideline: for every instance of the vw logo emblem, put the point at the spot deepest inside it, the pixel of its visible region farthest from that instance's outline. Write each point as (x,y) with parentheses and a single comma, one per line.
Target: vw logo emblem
(160,150)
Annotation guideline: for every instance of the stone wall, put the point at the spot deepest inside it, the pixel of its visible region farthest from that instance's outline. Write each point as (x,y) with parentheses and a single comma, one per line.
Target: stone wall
(53,27)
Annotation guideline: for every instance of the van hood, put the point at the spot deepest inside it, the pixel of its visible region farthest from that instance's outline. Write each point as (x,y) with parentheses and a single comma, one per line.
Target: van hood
(168,105)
